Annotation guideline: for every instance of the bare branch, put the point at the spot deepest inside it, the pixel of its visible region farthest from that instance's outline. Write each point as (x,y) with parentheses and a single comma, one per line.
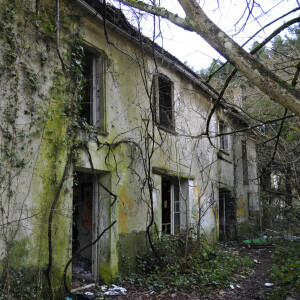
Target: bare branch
(162,12)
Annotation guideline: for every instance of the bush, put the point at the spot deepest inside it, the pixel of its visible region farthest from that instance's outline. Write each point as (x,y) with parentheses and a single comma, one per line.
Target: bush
(202,270)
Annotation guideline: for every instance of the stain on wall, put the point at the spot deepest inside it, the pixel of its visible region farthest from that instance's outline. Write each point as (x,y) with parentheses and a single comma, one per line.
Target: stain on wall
(127,208)
(241,207)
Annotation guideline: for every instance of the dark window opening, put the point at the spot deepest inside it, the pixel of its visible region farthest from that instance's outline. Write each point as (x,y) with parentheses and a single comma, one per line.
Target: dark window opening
(245,162)
(226,215)
(83,190)
(164,102)
(224,139)
(166,206)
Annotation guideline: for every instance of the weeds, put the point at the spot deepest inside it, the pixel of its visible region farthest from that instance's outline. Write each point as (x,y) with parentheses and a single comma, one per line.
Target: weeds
(202,271)
(23,288)
(285,270)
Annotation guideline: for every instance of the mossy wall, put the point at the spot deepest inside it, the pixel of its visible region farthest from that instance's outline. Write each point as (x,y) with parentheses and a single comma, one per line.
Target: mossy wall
(57,141)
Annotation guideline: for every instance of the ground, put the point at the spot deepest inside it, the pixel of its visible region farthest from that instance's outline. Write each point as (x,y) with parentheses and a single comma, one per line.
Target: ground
(244,287)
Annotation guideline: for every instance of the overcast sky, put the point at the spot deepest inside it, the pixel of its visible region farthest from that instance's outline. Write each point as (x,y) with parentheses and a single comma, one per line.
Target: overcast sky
(190,47)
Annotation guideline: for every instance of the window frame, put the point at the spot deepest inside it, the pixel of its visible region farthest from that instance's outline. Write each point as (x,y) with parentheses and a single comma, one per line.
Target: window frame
(158,111)
(97,89)
(224,140)
(177,205)
(245,162)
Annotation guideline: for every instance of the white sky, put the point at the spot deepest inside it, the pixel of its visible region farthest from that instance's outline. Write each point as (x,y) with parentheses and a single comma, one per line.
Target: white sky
(190,47)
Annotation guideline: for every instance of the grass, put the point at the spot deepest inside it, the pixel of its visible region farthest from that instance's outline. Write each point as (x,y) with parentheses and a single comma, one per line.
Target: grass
(285,270)
(202,271)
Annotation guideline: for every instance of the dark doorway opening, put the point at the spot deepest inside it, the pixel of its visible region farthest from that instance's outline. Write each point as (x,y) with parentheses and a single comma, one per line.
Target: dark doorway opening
(227,215)
(166,205)
(83,204)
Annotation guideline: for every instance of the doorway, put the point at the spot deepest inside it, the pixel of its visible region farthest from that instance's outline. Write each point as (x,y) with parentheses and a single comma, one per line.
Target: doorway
(85,203)
(227,215)
(174,204)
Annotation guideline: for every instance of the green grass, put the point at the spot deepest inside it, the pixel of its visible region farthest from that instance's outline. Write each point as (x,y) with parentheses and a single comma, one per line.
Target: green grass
(205,270)
(285,270)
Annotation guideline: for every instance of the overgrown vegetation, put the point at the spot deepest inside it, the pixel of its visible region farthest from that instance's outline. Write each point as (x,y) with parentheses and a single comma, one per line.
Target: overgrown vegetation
(22,289)
(285,270)
(202,271)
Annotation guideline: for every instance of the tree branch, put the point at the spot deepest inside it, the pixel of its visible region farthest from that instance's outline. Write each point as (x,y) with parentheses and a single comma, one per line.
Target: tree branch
(197,21)
(161,12)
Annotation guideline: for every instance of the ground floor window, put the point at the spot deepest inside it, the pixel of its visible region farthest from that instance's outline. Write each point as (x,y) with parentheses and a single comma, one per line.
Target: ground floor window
(174,204)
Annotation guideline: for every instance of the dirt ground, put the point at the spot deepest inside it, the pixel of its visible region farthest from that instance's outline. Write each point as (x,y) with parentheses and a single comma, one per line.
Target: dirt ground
(247,288)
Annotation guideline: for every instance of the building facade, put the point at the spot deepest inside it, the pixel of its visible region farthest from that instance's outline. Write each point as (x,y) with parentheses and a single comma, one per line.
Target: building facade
(103,144)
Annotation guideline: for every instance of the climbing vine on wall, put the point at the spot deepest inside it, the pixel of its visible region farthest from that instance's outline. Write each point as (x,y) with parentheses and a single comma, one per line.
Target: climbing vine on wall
(41,81)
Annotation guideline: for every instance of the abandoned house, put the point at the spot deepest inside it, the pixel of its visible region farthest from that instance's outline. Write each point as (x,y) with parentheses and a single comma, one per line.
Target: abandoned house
(99,124)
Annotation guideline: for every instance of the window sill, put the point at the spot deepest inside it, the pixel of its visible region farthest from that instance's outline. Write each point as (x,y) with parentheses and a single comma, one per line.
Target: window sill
(96,130)
(224,156)
(224,151)
(167,129)
(102,132)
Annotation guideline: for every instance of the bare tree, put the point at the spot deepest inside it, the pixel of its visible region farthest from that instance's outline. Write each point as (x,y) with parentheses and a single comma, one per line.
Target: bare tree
(197,21)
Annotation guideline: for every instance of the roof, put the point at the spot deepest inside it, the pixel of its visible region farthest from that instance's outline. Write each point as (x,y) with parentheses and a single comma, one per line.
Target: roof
(116,18)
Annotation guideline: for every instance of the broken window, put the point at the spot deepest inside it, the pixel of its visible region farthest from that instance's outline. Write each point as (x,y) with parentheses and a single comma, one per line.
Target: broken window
(174,197)
(245,162)
(226,215)
(275,180)
(224,139)
(92,104)
(164,102)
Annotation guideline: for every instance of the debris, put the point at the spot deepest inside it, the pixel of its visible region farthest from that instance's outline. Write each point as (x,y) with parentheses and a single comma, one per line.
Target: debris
(257,241)
(238,286)
(89,294)
(269,284)
(115,290)
(286,236)
(83,287)
(103,287)
(84,297)
(256,261)
(232,287)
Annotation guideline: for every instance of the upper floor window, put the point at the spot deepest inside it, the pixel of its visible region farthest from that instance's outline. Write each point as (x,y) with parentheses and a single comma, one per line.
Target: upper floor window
(93,102)
(224,137)
(164,102)
(245,162)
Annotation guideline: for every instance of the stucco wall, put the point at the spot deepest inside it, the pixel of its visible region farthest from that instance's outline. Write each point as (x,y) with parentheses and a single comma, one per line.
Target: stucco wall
(123,158)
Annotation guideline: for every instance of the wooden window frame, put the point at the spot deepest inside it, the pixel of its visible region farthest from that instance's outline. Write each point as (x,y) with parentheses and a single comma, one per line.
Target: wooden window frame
(177,206)
(245,163)
(157,104)
(97,90)
(224,140)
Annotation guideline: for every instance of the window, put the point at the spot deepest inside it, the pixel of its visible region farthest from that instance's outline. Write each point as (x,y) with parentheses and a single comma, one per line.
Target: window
(245,162)
(224,139)
(164,102)
(275,180)
(174,197)
(93,104)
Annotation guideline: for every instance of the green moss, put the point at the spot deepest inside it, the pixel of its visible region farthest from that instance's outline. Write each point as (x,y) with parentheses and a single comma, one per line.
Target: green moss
(129,246)
(243,228)
(20,254)
(105,273)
